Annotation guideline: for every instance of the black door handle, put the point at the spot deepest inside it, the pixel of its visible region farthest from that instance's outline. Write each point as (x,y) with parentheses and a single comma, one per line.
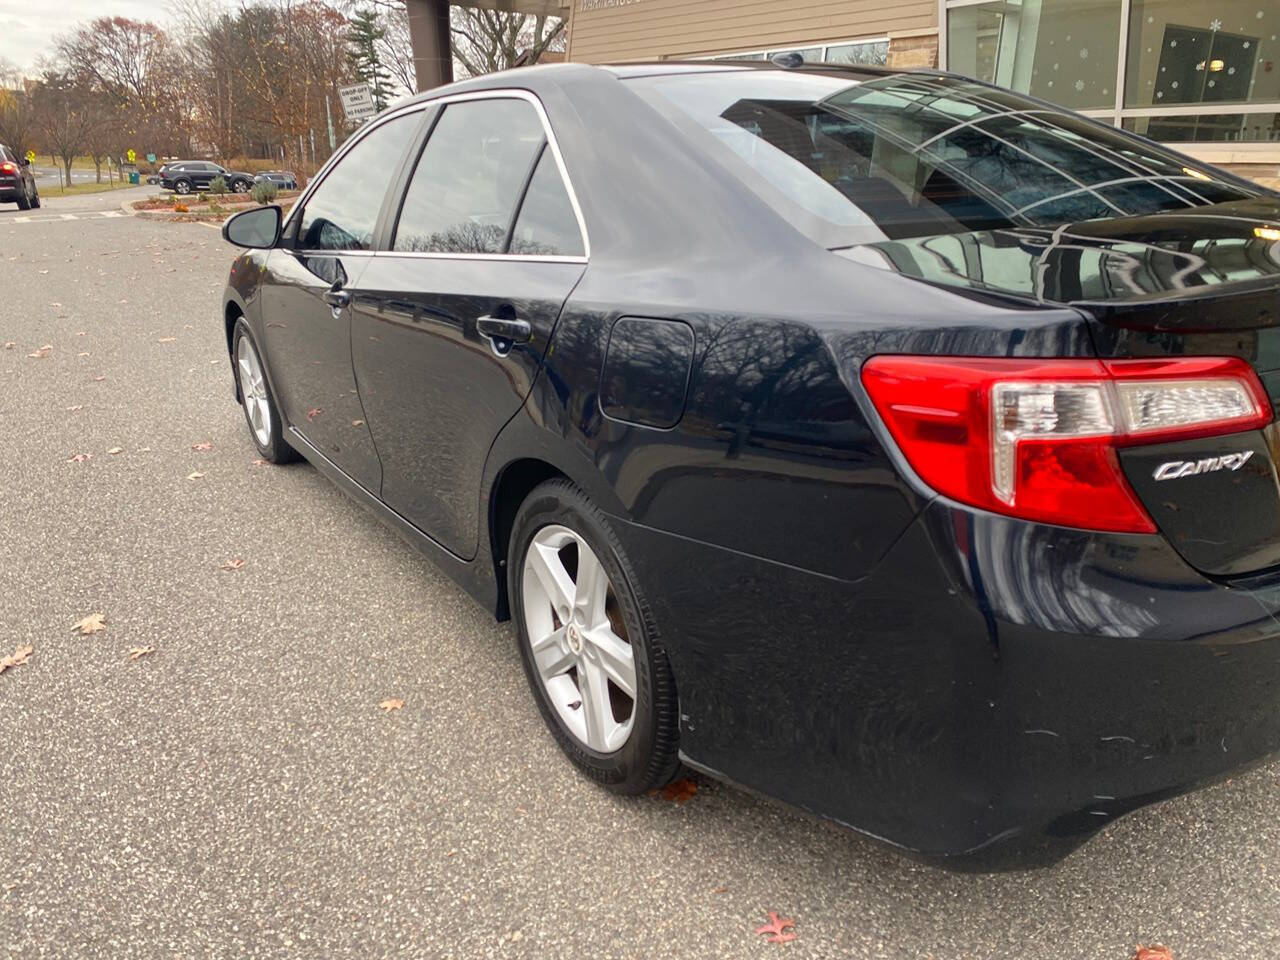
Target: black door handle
(508,329)
(337,298)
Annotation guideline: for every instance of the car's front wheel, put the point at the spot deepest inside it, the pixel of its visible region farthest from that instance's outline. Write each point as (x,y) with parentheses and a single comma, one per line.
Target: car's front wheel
(240,186)
(182,186)
(590,649)
(266,427)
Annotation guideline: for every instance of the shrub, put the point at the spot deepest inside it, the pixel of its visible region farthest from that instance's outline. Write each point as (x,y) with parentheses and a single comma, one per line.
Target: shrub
(203,197)
(265,192)
(218,186)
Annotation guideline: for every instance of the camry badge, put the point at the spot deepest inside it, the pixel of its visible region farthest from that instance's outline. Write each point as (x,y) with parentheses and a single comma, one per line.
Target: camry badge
(1189,468)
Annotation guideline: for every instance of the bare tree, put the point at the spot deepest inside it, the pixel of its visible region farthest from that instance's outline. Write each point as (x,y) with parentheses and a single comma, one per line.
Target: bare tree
(17,120)
(65,114)
(485,41)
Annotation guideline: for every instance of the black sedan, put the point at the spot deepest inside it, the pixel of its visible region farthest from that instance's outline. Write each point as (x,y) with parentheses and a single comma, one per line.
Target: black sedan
(17,182)
(885,442)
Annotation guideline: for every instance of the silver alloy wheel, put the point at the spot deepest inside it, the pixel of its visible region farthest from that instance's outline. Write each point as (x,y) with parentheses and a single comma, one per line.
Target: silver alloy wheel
(240,187)
(253,388)
(182,187)
(578,639)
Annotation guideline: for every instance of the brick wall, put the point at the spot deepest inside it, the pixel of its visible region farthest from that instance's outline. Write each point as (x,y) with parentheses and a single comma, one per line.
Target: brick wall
(917,51)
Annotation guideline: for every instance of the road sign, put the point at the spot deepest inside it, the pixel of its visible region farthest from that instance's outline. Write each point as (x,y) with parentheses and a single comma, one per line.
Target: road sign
(31,156)
(151,158)
(131,156)
(357,101)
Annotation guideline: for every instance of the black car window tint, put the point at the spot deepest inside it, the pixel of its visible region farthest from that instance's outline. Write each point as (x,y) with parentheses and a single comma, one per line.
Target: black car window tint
(913,155)
(546,225)
(467,182)
(343,210)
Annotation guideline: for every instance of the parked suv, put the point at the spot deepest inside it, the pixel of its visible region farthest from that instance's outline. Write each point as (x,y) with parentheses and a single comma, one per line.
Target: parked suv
(17,183)
(184,176)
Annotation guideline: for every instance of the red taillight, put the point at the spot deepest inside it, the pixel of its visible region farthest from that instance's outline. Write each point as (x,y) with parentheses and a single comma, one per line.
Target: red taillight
(1037,439)
(8,167)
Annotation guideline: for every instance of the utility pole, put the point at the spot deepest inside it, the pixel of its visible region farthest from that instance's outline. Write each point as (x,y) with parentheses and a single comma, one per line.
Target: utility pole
(328,116)
(313,146)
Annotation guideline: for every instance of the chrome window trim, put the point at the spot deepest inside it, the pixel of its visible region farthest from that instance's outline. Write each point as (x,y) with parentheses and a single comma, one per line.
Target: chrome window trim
(499,93)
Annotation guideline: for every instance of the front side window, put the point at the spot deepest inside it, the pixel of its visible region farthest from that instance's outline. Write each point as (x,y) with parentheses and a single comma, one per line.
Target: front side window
(913,155)
(342,212)
(467,182)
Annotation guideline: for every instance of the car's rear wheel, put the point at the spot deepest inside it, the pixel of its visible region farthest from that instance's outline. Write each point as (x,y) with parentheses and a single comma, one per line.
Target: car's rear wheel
(35,197)
(589,646)
(266,427)
(24,199)
(182,186)
(240,186)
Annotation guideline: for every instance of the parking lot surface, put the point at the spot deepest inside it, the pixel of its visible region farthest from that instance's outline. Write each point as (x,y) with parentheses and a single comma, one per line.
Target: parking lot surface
(238,791)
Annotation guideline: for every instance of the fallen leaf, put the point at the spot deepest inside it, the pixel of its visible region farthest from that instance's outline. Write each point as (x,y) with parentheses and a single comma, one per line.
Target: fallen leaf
(74,407)
(93,623)
(166,340)
(194,475)
(137,653)
(41,353)
(144,449)
(259,462)
(9,344)
(79,333)
(84,354)
(775,927)
(202,446)
(114,450)
(357,423)
(17,658)
(720,890)
(79,457)
(99,379)
(1156,951)
(392,704)
(235,564)
(679,792)
(314,412)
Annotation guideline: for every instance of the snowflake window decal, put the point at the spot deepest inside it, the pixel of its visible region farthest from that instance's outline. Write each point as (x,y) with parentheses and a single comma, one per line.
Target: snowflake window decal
(1215,26)
(1084,53)
(1079,85)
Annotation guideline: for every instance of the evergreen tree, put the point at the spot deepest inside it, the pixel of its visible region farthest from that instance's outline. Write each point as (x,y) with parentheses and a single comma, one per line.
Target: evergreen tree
(365,34)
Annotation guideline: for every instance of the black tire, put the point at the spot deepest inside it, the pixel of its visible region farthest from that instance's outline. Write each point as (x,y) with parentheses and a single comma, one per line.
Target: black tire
(276,449)
(240,186)
(649,758)
(24,201)
(35,198)
(182,186)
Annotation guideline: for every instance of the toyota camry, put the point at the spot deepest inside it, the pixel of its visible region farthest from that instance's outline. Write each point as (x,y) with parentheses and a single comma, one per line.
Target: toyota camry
(885,442)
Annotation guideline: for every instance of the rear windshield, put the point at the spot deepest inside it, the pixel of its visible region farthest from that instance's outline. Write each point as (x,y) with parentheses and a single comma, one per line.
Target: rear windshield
(912,155)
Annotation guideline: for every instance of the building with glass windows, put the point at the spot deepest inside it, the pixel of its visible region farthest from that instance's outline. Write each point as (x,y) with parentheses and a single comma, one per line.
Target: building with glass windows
(1200,73)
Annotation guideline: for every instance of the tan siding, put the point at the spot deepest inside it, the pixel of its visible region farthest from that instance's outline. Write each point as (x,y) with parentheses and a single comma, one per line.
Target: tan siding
(652,29)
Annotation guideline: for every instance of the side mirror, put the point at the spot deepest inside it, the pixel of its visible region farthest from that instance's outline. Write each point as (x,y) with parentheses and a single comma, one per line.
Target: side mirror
(24,161)
(258,228)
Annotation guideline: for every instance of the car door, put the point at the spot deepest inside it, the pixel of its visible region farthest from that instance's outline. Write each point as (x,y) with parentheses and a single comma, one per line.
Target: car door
(305,296)
(450,323)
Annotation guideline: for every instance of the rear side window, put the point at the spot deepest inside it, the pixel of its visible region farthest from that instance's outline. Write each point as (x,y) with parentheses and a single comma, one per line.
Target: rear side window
(912,155)
(547,226)
(342,212)
(464,190)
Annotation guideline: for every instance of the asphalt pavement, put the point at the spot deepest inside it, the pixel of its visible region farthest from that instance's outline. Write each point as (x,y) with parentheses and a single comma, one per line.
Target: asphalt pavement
(237,791)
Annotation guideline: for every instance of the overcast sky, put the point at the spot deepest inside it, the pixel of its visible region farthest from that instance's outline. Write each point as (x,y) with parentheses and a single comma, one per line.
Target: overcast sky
(27,27)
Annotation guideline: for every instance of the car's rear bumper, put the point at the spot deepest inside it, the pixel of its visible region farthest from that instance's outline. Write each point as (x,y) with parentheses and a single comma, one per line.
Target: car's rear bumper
(992,694)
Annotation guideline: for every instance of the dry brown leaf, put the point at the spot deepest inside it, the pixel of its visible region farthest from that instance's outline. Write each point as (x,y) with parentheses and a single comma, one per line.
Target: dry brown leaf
(194,475)
(74,407)
(720,890)
(84,353)
(775,931)
(79,457)
(93,623)
(166,340)
(137,653)
(17,658)
(114,450)
(679,792)
(202,447)
(357,423)
(314,412)
(1157,951)
(259,462)
(235,564)
(9,344)
(391,704)
(41,353)
(99,379)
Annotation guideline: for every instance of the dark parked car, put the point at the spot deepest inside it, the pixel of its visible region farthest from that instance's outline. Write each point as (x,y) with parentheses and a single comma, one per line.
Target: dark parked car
(886,442)
(284,179)
(17,182)
(185,176)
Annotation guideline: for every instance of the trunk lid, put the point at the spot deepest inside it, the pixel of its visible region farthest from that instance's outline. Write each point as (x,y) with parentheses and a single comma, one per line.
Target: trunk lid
(1197,282)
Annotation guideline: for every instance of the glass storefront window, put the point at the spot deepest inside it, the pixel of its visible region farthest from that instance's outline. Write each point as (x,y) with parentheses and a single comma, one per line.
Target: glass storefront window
(1204,51)
(874,53)
(1066,51)
(1242,127)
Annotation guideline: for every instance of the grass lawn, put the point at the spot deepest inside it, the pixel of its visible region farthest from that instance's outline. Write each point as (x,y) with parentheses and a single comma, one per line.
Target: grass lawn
(50,189)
